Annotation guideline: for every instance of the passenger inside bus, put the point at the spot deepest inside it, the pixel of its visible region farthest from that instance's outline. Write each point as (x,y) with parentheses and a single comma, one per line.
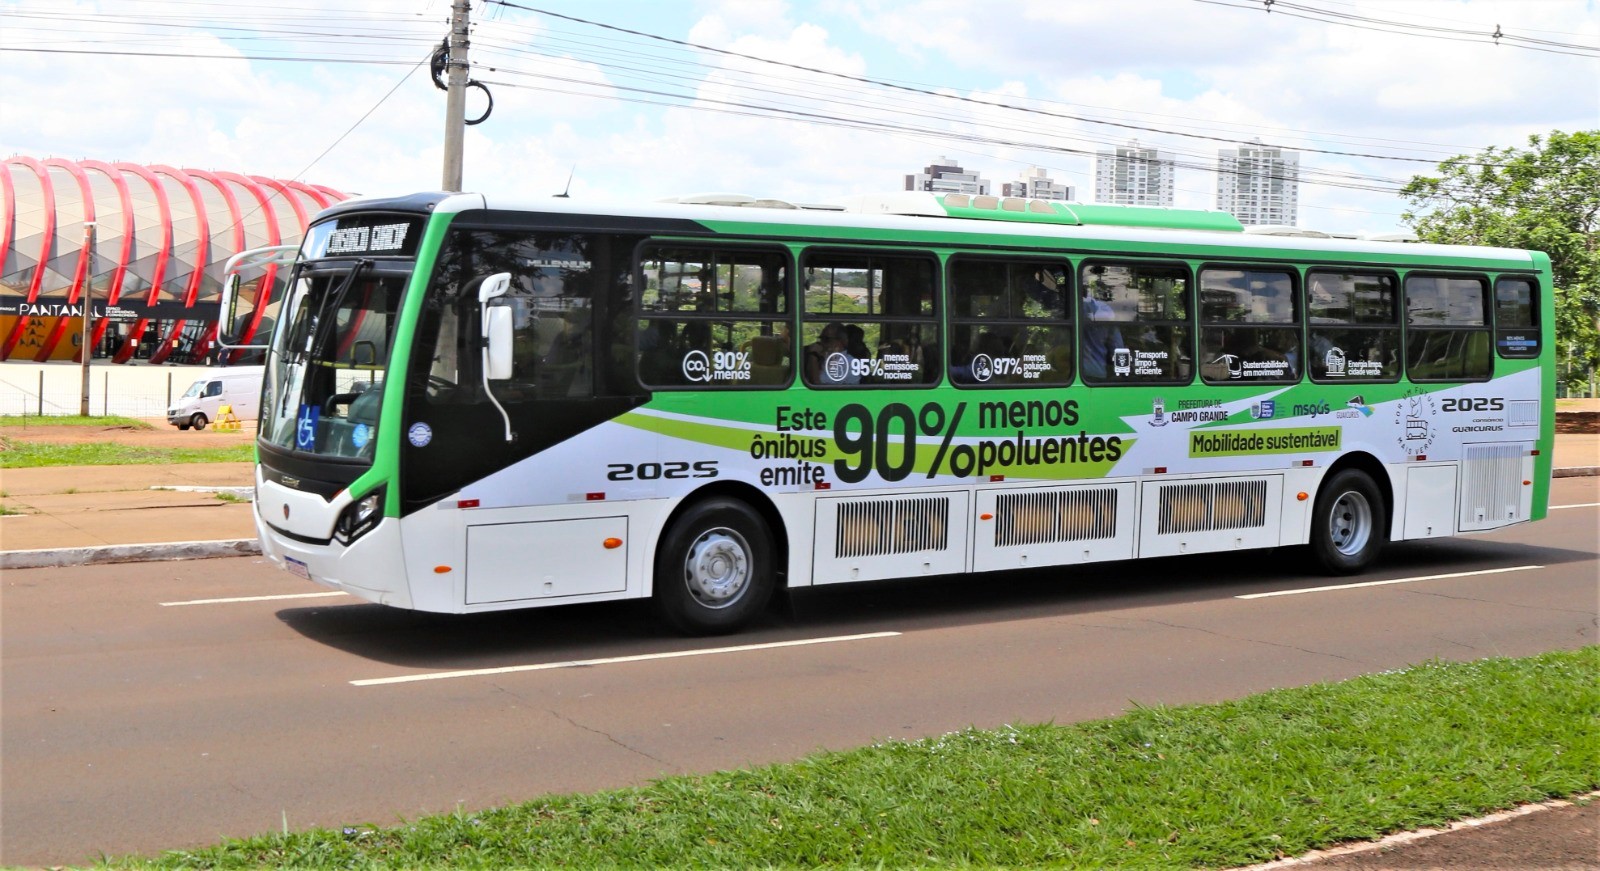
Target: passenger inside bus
(1098,340)
(832,341)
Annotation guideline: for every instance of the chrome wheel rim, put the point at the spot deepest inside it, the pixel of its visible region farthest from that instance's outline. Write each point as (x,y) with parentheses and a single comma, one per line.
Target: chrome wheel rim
(1350,523)
(717,567)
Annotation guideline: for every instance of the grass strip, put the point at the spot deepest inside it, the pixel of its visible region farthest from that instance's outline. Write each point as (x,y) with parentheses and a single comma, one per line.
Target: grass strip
(1160,787)
(29,455)
(34,420)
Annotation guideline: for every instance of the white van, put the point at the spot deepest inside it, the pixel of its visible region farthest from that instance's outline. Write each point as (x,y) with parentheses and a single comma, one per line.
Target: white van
(236,386)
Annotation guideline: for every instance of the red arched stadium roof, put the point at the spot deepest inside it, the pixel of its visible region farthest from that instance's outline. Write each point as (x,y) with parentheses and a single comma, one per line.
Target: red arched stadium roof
(162,236)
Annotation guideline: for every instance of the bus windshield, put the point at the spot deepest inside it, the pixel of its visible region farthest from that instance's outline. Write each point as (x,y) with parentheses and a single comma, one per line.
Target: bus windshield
(325,378)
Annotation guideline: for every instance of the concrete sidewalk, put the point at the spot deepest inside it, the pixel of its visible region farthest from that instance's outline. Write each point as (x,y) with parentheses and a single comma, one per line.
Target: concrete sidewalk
(74,515)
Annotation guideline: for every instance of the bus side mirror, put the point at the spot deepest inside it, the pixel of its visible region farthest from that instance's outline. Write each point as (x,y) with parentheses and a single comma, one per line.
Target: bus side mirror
(227,328)
(231,323)
(497,327)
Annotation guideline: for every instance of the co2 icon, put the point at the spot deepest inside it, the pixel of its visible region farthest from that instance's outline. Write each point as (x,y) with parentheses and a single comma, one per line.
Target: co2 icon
(696,366)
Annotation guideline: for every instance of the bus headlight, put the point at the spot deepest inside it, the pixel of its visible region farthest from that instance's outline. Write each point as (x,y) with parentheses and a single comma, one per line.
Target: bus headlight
(360,518)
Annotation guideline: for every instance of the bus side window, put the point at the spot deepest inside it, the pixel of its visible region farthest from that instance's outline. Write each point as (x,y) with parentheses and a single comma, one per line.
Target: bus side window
(714,318)
(869,319)
(1010,322)
(1354,327)
(1250,327)
(1447,335)
(1135,324)
(1516,317)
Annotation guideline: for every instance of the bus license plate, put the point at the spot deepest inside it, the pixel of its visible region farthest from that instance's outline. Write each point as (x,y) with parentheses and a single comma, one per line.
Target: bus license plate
(297,567)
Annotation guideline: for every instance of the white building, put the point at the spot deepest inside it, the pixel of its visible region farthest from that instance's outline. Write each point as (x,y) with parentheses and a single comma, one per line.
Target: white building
(1259,184)
(1133,175)
(944,177)
(1035,185)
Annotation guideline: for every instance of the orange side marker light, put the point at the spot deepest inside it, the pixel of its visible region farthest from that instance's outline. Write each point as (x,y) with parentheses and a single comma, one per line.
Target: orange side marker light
(441,570)
(612,543)
(1302,496)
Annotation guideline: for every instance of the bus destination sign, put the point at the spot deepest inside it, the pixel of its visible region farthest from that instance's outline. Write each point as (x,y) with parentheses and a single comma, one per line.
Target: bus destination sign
(365,234)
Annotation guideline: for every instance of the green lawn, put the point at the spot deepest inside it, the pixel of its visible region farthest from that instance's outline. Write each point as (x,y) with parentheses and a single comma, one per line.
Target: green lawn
(28,455)
(27,420)
(1184,787)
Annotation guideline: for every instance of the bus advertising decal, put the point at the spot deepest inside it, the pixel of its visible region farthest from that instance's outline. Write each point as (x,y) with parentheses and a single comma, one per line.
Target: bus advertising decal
(1030,367)
(1240,368)
(717,366)
(1356,406)
(1188,411)
(1233,443)
(1337,365)
(897,442)
(1488,413)
(1413,420)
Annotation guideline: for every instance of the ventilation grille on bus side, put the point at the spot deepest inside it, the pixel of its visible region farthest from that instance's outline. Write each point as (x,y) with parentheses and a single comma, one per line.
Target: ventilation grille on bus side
(1522,412)
(885,526)
(1204,507)
(1040,517)
(1492,478)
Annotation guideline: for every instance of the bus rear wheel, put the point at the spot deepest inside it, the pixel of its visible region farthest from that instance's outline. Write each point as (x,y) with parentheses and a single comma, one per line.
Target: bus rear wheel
(713,571)
(1347,523)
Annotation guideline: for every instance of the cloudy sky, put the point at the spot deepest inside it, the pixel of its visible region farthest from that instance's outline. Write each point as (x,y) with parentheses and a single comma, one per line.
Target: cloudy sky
(804,100)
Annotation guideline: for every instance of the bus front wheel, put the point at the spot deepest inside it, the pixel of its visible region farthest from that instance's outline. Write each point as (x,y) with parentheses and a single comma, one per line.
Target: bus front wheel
(1347,523)
(713,571)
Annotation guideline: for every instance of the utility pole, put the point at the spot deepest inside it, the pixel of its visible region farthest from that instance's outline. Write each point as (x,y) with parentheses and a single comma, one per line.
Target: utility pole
(455,106)
(86,298)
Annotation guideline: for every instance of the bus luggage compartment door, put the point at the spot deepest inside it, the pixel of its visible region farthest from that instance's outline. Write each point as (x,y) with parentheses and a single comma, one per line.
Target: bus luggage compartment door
(868,538)
(549,559)
(1199,516)
(1043,526)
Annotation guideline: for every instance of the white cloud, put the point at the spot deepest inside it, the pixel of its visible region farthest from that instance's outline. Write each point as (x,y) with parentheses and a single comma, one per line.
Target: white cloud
(561,98)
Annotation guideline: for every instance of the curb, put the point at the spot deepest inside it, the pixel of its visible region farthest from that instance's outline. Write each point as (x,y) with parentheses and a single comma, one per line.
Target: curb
(127,553)
(1576,472)
(1349,849)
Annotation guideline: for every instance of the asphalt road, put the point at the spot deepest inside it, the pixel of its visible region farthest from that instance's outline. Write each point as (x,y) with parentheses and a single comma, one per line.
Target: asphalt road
(139,717)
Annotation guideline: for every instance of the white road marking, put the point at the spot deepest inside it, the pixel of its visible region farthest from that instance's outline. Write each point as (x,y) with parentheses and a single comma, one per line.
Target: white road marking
(1580,505)
(581,663)
(1385,583)
(252,599)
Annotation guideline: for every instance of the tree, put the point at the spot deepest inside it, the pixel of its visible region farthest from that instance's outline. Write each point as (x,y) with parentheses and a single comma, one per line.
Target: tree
(1546,198)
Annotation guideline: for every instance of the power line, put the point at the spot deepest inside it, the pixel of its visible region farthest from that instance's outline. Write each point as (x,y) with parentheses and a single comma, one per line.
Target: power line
(931,93)
(193,56)
(596,46)
(1428,31)
(766,111)
(857,102)
(367,114)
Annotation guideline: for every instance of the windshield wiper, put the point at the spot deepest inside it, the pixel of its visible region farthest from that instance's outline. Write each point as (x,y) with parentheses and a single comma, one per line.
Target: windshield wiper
(328,309)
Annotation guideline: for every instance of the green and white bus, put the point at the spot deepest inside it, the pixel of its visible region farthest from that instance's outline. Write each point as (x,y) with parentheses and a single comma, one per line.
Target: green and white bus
(473,405)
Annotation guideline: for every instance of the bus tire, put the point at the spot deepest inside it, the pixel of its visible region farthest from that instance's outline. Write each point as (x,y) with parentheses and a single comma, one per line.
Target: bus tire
(713,571)
(198,421)
(1347,523)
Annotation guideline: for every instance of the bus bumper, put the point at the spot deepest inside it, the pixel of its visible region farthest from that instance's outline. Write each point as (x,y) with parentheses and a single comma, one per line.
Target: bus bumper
(378,554)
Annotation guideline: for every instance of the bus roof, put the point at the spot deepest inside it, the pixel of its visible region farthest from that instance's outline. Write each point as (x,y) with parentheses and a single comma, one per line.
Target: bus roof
(884,217)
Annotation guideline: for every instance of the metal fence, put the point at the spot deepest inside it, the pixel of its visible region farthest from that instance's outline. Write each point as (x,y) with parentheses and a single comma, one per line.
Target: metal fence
(51,389)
